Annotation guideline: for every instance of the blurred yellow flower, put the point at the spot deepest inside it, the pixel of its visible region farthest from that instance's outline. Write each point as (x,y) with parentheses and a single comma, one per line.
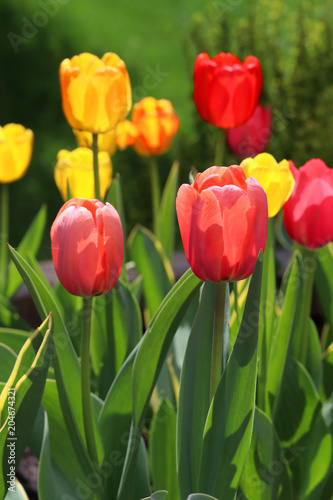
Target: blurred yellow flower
(75,169)
(15,151)
(156,123)
(126,133)
(275,178)
(96,93)
(106,142)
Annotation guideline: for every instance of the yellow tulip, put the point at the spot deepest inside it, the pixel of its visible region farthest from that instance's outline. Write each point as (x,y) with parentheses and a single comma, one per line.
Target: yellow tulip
(75,169)
(96,93)
(275,178)
(106,142)
(15,151)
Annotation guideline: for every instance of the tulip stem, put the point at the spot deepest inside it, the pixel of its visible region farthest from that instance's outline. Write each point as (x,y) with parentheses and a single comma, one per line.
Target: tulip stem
(220,343)
(220,148)
(4,237)
(85,380)
(305,302)
(155,188)
(96,169)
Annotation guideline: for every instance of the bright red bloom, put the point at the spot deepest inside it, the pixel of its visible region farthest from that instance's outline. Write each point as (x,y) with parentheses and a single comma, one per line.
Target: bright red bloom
(253,136)
(226,91)
(308,214)
(87,246)
(223,221)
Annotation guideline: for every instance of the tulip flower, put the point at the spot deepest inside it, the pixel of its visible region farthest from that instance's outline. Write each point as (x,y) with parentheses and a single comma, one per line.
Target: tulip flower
(253,136)
(223,220)
(308,212)
(226,91)
(75,169)
(96,93)
(87,246)
(156,123)
(126,133)
(275,178)
(15,152)
(106,142)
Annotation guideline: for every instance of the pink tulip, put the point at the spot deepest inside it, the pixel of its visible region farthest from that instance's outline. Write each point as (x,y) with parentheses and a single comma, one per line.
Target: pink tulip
(308,214)
(253,136)
(223,221)
(87,246)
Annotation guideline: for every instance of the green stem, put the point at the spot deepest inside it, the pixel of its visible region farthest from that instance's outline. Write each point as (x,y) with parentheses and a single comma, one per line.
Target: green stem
(155,189)
(220,148)
(220,340)
(85,380)
(96,171)
(4,232)
(307,281)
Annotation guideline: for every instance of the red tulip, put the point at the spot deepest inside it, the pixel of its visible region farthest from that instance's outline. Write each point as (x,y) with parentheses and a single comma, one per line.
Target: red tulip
(308,214)
(87,246)
(226,91)
(253,136)
(223,221)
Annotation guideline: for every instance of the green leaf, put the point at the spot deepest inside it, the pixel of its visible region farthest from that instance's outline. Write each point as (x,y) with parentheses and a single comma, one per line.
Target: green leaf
(265,476)
(328,372)
(150,358)
(9,316)
(13,338)
(116,330)
(30,242)
(281,342)
(8,358)
(324,281)
(303,433)
(151,262)
(194,401)
(167,212)
(17,493)
(26,385)
(200,496)
(157,495)
(313,362)
(228,430)
(162,449)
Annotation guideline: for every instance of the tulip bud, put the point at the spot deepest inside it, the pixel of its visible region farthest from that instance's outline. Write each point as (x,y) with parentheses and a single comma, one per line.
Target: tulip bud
(308,212)
(223,222)
(15,151)
(87,247)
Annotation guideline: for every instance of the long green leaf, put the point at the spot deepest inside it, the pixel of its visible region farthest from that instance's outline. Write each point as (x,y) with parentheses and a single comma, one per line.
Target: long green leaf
(324,281)
(167,212)
(194,401)
(229,423)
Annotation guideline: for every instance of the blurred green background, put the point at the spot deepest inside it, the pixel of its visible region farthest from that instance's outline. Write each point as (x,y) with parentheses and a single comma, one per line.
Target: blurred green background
(158,42)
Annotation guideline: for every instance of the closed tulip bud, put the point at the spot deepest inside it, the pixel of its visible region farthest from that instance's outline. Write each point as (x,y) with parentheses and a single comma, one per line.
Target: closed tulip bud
(74,169)
(275,178)
(156,123)
(15,152)
(308,212)
(87,247)
(106,142)
(223,222)
(96,93)
(253,136)
(226,91)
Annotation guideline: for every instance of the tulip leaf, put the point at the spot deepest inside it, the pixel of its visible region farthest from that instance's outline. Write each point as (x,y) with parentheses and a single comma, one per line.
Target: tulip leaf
(324,281)
(328,372)
(9,316)
(26,385)
(303,432)
(313,361)
(30,242)
(281,343)
(158,495)
(194,401)
(8,358)
(18,493)
(200,496)
(152,264)
(162,449)
(149,359)
(66,363)
(229,423)
(265,476)
(116,330)
(13,338)
(167,212)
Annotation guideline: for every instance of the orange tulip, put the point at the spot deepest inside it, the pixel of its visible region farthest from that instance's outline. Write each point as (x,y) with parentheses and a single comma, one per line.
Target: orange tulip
(156,123)
(96,93)
(126,133)
(223,220)
(15,151)
(87,247)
